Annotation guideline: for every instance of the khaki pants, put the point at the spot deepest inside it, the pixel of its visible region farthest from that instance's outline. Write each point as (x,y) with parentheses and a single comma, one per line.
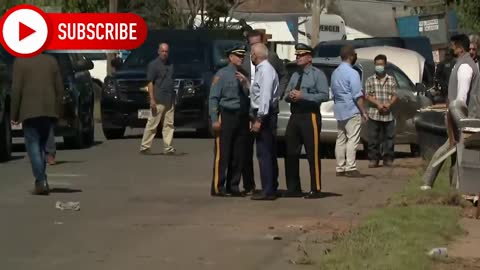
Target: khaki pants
(164,114)
(348,139)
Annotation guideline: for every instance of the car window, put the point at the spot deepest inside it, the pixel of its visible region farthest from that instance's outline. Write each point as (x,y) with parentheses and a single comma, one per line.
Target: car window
(402,80)
(181,53)
(96,56)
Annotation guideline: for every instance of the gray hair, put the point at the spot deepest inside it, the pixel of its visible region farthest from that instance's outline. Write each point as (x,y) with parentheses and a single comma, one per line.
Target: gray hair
(260,50)
(475,39)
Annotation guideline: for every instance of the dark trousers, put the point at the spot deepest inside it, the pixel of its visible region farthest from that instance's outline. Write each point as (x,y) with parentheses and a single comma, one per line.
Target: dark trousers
(303,129)
(381,137)
(247,173)
(36,131)
(229,153)
(267,155)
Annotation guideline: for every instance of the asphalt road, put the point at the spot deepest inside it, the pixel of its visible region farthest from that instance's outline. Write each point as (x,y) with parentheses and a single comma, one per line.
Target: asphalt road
(155,212)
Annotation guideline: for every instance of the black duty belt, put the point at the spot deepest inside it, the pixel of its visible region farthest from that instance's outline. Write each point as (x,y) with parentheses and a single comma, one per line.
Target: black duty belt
(302,109)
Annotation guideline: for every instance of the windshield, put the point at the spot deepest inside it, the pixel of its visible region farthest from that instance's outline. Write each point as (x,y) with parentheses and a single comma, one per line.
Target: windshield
(96,56)
(332,50)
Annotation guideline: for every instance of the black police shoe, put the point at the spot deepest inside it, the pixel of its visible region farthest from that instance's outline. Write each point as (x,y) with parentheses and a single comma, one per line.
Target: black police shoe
(292,194)
(314,195)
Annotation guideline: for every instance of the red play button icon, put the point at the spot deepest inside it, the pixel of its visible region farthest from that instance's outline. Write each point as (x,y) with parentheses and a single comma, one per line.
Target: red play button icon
(24,31)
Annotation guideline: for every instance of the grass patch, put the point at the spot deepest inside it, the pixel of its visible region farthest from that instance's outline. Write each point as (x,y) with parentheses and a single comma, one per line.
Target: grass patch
(399,235)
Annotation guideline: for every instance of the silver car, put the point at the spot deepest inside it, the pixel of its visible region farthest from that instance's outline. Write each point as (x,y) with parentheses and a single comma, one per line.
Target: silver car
(410,99)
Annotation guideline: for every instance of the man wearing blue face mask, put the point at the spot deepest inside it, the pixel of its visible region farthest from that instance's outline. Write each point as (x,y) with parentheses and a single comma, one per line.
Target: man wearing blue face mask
(381,90)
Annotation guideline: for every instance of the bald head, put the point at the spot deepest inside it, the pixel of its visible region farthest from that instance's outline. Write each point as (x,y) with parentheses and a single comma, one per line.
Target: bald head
(163,51)
(259,53)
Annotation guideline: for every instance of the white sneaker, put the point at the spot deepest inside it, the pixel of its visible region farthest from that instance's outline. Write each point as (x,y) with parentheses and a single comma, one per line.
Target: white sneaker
(425,187)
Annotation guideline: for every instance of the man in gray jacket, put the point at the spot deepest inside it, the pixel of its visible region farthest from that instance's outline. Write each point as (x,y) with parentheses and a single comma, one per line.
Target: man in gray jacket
(254,37)
(37,91)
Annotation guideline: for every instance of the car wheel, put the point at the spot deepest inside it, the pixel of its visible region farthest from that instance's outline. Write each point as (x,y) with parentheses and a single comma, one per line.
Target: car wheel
(113,133)
(77,141)
(327,151)
(205,132)
(415,150)
(281,148)
(5,138)
(89,135)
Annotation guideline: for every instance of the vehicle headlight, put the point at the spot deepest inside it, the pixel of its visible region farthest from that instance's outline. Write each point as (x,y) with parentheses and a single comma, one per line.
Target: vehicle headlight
(192,86)
(110,88)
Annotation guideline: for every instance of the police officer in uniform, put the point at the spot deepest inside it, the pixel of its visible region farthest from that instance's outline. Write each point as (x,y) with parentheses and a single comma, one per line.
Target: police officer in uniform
(307,89)
(229,112)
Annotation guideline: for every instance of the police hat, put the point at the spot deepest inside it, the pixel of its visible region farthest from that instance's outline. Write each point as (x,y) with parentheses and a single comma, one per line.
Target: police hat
(238,50)
(301,49)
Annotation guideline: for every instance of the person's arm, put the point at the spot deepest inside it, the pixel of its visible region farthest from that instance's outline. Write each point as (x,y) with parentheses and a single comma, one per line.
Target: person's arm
(290,86)
(357,93)
(151,76)
(214,98)
(321,90)
(464,76)
(281,70)
(17,89)
(266,81)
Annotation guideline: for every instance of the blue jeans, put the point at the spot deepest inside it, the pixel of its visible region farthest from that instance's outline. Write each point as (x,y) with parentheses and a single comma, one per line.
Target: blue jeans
(51,146)
(36,131)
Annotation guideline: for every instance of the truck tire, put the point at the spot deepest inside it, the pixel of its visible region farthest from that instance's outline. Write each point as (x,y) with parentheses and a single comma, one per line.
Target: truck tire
(112,134)
(5,138)
(89,134)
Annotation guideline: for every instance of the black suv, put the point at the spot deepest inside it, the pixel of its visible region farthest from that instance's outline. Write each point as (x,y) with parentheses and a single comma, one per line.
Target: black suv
(196,56)
(76,124)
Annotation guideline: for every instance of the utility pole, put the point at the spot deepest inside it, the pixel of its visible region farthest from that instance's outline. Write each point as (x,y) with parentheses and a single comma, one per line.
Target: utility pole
(315,29)
(112,8)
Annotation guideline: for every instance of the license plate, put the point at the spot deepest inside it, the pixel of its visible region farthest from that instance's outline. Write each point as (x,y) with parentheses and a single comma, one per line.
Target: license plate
(144,114)
(17,127)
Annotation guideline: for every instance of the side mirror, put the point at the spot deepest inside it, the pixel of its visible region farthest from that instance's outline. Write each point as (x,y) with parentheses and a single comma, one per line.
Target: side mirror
(420,88)
(83,64)
(116,62)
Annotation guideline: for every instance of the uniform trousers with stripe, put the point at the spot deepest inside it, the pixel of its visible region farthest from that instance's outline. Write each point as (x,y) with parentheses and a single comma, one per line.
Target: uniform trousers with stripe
(229,152)
(303,129)
(267,155)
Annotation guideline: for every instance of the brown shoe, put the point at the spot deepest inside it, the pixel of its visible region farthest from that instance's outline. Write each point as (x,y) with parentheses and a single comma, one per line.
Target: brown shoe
(51,160)
(340,174)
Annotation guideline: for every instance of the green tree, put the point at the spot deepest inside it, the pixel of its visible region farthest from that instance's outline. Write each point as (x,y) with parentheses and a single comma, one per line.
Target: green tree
(468,13)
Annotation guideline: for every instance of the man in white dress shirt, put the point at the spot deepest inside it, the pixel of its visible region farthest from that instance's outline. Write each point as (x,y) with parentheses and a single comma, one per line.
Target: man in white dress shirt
(463,85)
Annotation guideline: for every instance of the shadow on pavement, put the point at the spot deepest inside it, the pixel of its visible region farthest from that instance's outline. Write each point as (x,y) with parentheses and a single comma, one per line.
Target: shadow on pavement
(60,162)
(64,190)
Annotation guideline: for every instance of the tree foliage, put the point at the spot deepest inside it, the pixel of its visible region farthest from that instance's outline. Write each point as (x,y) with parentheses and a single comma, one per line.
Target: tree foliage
(469,14)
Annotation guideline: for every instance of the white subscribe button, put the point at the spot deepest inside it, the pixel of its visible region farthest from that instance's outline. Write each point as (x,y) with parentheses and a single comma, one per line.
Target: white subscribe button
(97,31)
